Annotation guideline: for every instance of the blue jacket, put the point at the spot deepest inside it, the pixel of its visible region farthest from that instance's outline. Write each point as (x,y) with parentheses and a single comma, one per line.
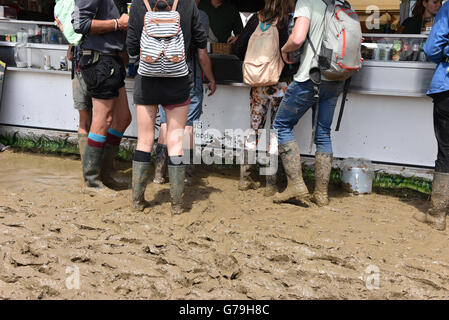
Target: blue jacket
(437,50)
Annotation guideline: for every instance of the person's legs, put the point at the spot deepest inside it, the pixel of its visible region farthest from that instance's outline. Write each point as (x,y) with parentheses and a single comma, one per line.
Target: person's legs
(439,206)
(176,120)
(195,111)
(121,118)
(297,100)
(329,93)
(146,118)
(93,156)
(161,153)
(83,103)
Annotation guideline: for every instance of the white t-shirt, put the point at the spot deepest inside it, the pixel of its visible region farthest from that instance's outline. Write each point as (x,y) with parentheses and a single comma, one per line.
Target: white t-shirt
(313,10)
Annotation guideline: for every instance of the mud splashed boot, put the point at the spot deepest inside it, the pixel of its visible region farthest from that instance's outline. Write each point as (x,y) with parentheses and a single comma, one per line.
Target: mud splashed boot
(141,174)
(177,177)
(161,162)
(108,168)
(92,160)
(436,216)
(296,188)
(246,182)
(323,168)
(82,143)
(271,187)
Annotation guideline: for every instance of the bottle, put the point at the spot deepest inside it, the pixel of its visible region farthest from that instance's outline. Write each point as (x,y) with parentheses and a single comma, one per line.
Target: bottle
(294,56)
(44,35)
(415,55)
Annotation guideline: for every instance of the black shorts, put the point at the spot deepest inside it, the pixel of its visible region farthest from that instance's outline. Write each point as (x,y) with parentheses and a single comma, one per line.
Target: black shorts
(104,77)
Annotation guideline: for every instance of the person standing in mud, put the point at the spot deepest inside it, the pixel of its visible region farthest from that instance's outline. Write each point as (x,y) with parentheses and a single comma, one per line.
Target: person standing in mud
(299,98)
(104,73)
(172,93)
(437,50)
(265,99)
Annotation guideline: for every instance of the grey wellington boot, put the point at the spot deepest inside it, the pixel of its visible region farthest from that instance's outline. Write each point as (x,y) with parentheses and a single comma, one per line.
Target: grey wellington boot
(141,174)
(92,160)
(271,187)
(436,216)
(82,143)
(323,168)
(161,162)
(296,188)
(108,169)
(177,177)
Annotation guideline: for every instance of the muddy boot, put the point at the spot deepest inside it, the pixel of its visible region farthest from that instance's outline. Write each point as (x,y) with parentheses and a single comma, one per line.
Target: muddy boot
(177,176)
(92,160)
(161,162)
(323,168)
(436,216)
(296,188)
(82,143)
(271,187)
(141,174)
(190,173)
(246,182)
(108,169)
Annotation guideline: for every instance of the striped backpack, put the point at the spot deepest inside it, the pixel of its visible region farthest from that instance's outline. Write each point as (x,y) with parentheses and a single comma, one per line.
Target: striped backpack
(162,49)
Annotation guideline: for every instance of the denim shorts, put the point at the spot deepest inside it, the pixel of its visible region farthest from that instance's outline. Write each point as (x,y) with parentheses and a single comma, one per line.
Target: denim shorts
(81,100)
(195,106)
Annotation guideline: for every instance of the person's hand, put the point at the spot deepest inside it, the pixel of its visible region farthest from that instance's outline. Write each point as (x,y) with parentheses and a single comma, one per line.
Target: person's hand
(285,57)
(212,86)
(69,53)
(232,40)
(123,22)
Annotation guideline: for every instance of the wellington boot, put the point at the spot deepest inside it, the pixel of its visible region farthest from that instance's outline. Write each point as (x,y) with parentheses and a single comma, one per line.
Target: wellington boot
(161,162)
(271,187)
(296,188)
(82,143)
(177,176)
(246,182)
(109,175)
(323,168)
(436,216)
(190,174)
(92,160)
(141,174)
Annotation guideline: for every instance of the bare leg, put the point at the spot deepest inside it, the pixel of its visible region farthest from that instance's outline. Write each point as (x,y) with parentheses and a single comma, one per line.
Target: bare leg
(176,123)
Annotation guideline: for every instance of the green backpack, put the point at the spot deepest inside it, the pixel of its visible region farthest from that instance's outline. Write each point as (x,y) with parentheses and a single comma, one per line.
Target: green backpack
(63,16)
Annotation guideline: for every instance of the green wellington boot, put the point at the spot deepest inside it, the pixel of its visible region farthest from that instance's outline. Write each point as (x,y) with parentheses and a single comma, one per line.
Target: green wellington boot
(296,188)
(177,176)
(82,143)
(108,169)
(141,174)
(161,163)
(92,160)
(436,216)
(323,168)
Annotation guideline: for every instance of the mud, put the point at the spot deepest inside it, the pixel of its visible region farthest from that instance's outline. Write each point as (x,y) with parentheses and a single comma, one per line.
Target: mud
(229,245)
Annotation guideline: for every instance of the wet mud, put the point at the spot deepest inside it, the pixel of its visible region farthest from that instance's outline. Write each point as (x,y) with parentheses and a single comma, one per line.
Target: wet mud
(229,245)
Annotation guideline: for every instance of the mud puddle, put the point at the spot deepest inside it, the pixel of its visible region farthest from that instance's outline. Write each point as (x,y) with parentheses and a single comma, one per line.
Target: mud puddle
(230,245)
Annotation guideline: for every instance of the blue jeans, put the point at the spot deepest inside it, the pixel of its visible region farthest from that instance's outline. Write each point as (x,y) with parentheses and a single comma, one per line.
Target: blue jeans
(196,104)
(297,100)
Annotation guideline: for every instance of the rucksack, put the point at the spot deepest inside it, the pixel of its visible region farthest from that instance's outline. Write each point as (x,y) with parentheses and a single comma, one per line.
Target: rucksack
(340,55)
(63,16)
(263,62)
(162,48)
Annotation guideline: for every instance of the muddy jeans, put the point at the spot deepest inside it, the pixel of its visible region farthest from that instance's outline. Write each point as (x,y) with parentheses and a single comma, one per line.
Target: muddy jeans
(441,126)
(297,100)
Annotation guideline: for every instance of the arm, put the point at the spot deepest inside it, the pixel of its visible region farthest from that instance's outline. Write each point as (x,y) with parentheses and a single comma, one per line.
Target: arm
(436,47)
(241,45)
(136,17)
(297,38)
(84,23)
(206,66)
(199,35)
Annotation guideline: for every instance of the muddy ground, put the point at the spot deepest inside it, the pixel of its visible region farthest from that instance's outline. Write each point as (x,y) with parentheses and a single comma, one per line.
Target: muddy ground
(229,245)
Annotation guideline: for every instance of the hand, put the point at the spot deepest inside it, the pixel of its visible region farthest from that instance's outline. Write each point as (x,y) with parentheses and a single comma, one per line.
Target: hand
(231,40)
(212,86)
(69,53)
(123,22)
(285,57)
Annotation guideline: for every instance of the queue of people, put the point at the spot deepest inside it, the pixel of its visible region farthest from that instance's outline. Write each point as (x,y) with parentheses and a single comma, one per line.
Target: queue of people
(176,91)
